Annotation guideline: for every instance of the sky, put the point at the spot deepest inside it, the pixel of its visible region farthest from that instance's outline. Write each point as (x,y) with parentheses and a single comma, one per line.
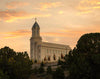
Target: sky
(60,21)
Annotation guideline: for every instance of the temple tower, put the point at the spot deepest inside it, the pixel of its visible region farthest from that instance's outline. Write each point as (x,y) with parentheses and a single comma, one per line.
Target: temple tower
(35,43)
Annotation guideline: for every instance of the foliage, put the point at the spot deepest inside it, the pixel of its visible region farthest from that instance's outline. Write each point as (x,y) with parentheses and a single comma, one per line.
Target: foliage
(3,76)
(17,65)
(89,43)
(41,69)
(84,61)
(42,64)
(60,62)
(58,74)
(49,70)
(35,61)
(35,70)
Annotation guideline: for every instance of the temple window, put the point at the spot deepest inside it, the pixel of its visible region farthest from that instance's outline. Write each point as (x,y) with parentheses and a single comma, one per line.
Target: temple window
(62,56)
(45,59)
(49,58)
(54,57)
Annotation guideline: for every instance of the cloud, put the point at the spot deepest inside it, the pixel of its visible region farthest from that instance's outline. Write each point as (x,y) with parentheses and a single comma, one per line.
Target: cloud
(16,4)
(69,36)
(69,33)
(23,32)
(18,33)
(11,15)
(45,6)
(87,6)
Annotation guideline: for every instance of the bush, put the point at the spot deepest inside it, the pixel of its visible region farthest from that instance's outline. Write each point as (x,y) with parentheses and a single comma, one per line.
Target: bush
(41,69)
(58,74)
(35,61)
(49,70)
(3,76)
(35,70)
(42,64)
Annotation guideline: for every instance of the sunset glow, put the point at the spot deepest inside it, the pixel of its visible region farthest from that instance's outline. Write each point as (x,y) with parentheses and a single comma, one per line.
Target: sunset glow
(61,21)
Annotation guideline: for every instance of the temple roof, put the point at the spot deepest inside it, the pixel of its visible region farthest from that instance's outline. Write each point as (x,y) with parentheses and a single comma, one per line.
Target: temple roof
(36,25)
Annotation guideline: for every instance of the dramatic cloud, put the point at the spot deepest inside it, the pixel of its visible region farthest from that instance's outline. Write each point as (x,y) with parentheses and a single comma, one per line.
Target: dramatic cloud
(45,6)
(10,15)
(16,4)
(87,6)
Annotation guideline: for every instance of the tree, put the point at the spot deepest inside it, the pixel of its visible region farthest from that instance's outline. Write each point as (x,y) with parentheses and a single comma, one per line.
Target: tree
(58,74)
(35,61)
(89,43)
(79,67)
(84,61)
(49,70)
(42,64)
(35,70)
(16,65)
(41,69)
(3,76)
(22,66)
(60,62)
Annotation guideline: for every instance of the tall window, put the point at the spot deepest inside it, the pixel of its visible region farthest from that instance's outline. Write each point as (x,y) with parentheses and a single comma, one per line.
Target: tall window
(54,57)
(62,56)
(45,59)
(49,58)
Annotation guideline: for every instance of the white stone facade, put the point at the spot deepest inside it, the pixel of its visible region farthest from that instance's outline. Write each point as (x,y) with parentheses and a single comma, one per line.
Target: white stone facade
(44,51)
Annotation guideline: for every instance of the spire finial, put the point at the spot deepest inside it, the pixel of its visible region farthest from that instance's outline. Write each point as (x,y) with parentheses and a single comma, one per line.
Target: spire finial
(35,19)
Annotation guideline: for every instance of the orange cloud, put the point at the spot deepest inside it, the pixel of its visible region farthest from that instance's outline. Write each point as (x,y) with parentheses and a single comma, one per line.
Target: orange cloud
(10,15)
(22,33)
(68,32)
(16,4)
(62,33)
(87,6)
(18,33)
(45,6)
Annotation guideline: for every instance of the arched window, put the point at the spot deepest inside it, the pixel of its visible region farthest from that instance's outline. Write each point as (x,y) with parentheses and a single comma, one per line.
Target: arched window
(54,57)
(49,58)
(45,59)
(62,56)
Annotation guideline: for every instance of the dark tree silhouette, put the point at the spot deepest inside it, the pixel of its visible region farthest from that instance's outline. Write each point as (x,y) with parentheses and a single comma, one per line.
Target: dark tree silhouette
(16,65)
(49,70)
(58,74)
(89,43)
(83,62)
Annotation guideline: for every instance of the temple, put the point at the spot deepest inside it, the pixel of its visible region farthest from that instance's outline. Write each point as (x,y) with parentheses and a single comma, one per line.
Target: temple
(44,51)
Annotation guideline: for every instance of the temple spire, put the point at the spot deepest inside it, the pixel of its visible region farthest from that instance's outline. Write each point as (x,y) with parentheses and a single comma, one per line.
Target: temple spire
(35,19)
